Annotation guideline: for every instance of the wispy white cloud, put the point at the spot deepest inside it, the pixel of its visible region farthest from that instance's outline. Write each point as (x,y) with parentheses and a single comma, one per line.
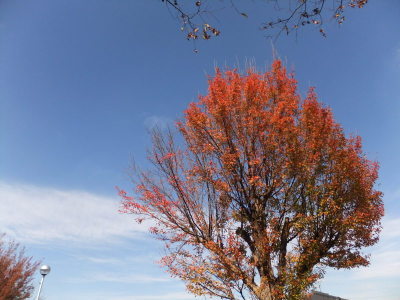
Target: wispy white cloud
(378,280)
(141,296)
(142,258)
(391,229)
(100,260)
(385,258)
(385,264)
(120,278)
(33,214)
(167,296)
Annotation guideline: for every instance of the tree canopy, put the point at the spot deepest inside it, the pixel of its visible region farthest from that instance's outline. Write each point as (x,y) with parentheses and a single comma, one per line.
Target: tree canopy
(263,193)
(16,271)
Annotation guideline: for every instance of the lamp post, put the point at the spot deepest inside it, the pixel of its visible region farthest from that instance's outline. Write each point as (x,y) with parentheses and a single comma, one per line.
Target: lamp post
(44,270)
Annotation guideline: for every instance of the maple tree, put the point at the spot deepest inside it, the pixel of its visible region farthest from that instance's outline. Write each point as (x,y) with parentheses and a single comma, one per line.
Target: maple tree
(196,16)
(16,271)
(263,193)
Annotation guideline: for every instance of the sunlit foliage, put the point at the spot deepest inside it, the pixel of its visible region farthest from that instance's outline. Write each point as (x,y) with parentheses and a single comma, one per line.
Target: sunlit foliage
(16,271)
(264,193)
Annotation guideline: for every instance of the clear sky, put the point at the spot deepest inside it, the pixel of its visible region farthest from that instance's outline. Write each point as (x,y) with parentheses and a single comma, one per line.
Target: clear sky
(81,82)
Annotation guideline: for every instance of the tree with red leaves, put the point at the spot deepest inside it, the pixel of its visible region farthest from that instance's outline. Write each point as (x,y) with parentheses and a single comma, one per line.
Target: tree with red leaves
(263,193)
(16,271)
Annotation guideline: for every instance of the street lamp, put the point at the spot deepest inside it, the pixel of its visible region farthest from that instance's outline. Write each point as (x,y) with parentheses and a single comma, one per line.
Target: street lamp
(44,270)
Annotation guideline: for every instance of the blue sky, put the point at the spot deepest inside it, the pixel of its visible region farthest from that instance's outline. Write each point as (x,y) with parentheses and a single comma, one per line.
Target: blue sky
(81,82)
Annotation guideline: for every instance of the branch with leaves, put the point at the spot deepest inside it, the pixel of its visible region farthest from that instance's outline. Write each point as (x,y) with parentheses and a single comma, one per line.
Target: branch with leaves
(195,16)
(16,271)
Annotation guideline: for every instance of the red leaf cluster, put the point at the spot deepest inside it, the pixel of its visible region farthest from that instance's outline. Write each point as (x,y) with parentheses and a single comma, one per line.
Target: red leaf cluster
(16,272)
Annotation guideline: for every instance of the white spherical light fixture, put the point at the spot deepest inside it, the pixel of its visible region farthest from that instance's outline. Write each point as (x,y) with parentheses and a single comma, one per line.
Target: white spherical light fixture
(44,270)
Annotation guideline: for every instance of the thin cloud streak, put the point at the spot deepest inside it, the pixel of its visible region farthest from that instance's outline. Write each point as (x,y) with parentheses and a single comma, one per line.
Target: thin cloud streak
(120,278)
(143,258)
(33,214)
(374,282)
(169,296)
(385,258)
(123,296)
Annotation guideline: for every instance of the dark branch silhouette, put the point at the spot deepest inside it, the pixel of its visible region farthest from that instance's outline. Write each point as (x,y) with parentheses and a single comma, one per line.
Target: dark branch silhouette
(195,16)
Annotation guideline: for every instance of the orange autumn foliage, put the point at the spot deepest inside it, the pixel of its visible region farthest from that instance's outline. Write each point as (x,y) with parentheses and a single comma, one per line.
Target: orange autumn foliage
(16,272)
(264,193)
